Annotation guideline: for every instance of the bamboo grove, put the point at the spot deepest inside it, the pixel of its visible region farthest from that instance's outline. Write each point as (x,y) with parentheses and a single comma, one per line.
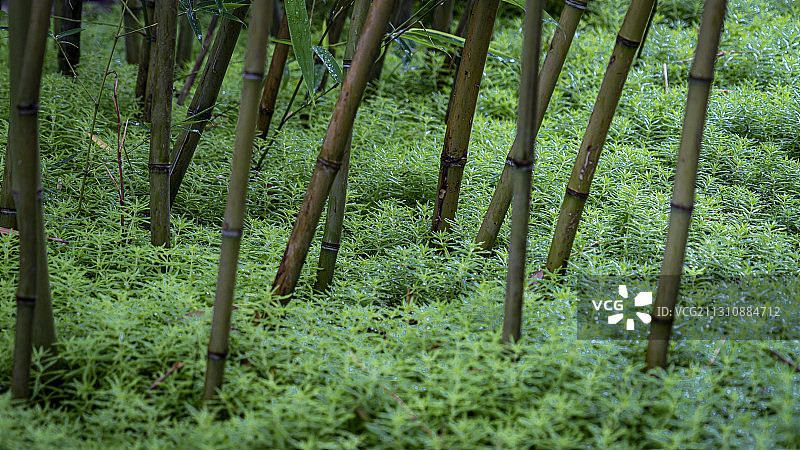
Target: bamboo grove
(150,31)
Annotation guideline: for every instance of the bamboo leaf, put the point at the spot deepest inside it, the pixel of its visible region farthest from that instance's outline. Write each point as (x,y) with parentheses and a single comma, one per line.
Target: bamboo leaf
(440,41)
(330,63)
(69,32)
(189,8)
(518,3)
(300,34)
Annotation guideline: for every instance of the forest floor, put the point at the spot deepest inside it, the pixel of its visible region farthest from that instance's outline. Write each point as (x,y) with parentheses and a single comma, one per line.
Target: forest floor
(405,349)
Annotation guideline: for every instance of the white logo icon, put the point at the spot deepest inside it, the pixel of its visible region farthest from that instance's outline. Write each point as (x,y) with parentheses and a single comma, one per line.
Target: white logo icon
(641,299)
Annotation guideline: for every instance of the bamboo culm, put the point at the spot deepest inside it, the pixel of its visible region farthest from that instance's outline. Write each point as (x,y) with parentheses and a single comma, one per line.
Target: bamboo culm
(548,77)
(144,55)
(333,148)
(628,40)
(68,18)
(198,63)
(462,112)
(204,98)
(133,38)
(159,164)
(152,71)
(334,220)
(235,210)
(183,48)
(523,159)
(33,304)
(701,76)
(269,96)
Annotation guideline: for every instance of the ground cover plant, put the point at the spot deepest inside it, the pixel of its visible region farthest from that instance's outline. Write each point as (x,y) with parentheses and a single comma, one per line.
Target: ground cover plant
(405,349)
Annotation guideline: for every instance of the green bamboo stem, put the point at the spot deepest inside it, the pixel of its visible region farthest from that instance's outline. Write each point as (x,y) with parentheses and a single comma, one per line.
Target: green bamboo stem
(647,29)
(28,194)
(334,220)
(144,55)
(133,39)
(701,77)
(269,96)
(68,17)
(333,148)
(183,50)
(18,17)
(628,39)
(152,71)
(204,98)
(252,76)
(161,115)
(523,160)
(459,120)
(548,77)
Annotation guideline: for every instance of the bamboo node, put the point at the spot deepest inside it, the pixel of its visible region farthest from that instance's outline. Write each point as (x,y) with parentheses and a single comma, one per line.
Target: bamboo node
(576,4)
(661,320)
(226,232)
(28,109)
(331,246)
(696,79)
(254,76)
(625,42)
(346,64)
(525,165)
(325,162)
(687,208)
(26,301)
(158,168)
(576,194)
(217,356)
(453,161)
(8,212)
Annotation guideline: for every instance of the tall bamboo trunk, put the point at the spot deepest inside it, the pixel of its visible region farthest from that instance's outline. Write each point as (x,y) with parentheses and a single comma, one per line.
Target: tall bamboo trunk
(166,14)
(333,147)
(183,51)
(274,76)
(628,40)
(133,38)
(401,13)
(452,60)
(334,220)
(34,325)
(701,77)
(523,160)
(204,98)
(459,120)
(548,77)
(68,18)
(443,16)
(152,71)
(252,76)
(143,76)
(647,29)
(198,63)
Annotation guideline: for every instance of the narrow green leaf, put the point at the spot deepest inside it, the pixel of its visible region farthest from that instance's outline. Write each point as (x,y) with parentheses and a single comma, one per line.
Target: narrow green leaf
(69,32)
(188,7)
(518,3)
(300,33)
(440,41)
(330,63)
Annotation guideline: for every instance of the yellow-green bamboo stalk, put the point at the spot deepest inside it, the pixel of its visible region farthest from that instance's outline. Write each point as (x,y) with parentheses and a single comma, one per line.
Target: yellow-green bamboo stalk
(269,96)
(144,56)
(252,76)
(68,17)
(183,50)
(333,146)
(332,236)
(28,196)
(159,165)
(548,77)
(204,98)
(628,39)
(701,76)
(133,38)
(522,160)
(462,112)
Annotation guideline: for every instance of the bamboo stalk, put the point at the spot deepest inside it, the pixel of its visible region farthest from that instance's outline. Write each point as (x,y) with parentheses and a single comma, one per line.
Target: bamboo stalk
(183,49)
(152,71)
(701,77)
(548,77)
(334,220)
(647,29)
(628,40)
(252,76)
(452,60)
(523,160)
(333,147)
(144,62)
(274,76)
(28,195)
(159,165)
(443,16)
(68,17)
(459,120)
(204,98)
(18,17)
(199,61)
(133,40)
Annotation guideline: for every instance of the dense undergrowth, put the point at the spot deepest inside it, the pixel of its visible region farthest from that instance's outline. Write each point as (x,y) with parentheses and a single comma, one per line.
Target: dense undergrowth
(405,350)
